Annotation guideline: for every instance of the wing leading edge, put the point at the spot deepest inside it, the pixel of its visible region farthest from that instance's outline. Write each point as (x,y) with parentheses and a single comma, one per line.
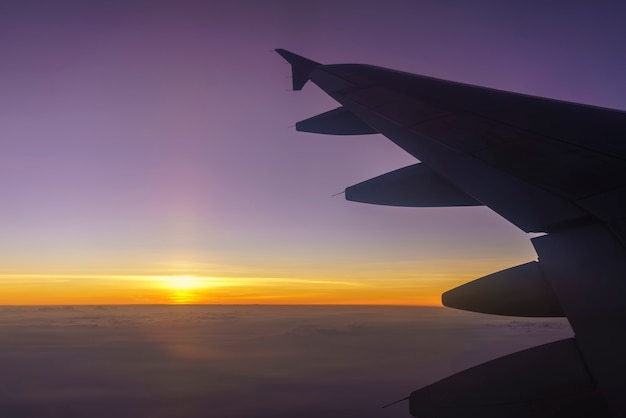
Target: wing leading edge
(544,165)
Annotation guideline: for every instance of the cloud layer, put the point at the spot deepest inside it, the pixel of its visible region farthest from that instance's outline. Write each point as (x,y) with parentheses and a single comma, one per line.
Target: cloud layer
(241,361)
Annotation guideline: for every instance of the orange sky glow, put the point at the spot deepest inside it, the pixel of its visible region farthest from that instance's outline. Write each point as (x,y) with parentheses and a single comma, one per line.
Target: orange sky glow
(381,287)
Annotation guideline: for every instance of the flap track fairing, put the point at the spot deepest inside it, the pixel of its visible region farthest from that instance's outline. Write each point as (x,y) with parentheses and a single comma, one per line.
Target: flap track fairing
(338,121)
(412,186)
(517,291)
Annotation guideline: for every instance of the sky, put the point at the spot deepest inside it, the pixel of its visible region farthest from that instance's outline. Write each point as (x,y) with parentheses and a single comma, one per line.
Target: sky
(148,153)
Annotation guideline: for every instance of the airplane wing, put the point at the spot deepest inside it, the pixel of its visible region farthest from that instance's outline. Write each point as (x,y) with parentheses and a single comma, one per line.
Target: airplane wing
(547,166)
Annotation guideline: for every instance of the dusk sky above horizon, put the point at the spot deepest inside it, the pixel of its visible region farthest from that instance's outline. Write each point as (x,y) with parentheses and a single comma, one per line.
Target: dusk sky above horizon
(146,153)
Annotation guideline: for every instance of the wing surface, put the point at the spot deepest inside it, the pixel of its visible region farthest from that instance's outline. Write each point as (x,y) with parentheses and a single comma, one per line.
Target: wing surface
(545,165)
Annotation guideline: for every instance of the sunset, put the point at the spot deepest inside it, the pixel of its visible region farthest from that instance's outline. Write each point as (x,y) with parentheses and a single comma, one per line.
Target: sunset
(171,246)
(100,289)
(121,160)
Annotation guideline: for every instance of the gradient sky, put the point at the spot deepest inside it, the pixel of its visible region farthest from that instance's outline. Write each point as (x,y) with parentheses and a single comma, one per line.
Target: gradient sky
(146,154)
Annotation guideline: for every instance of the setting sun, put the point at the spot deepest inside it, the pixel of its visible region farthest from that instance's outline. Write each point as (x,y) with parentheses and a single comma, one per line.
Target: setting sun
(184,282)
(184,289)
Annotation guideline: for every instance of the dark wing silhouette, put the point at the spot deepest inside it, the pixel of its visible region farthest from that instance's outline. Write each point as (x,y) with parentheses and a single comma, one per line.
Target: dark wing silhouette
(547,166)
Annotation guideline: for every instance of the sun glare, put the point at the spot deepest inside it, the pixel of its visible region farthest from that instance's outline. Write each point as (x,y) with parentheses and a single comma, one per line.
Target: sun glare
(184,289)
(183,282)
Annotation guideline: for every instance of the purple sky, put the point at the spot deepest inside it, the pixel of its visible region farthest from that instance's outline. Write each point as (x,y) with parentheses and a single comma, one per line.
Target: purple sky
(144,137)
